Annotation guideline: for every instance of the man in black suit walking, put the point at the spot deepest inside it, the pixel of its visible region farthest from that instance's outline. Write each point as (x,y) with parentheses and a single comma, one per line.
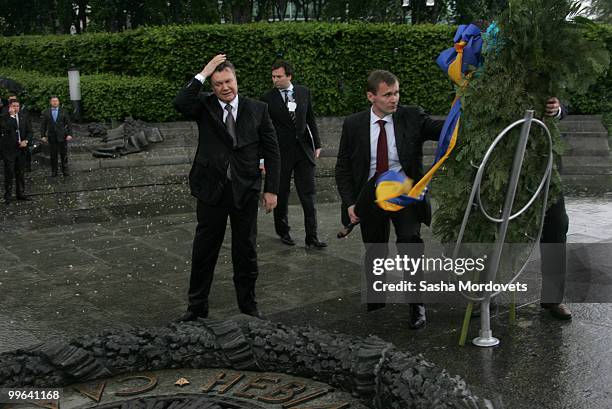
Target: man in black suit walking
(225,178)
(291,111)
(16,134)
(387,136)
(56,129)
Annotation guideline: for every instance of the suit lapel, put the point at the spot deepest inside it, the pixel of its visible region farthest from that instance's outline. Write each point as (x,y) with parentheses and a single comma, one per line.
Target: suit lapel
(215,110)
(364,127)
(398,128)
(241,117)
(300,111)
(278,97)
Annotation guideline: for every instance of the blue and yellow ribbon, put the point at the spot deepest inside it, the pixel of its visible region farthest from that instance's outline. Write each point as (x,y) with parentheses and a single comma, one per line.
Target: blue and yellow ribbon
(393,191)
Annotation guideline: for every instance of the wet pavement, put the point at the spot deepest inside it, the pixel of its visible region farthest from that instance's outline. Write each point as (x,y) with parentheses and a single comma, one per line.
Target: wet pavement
(111,250)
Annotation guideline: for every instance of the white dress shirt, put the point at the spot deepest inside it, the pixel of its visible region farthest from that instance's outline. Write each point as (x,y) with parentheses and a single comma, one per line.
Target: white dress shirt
(393,156)
(234,104)
(289,94)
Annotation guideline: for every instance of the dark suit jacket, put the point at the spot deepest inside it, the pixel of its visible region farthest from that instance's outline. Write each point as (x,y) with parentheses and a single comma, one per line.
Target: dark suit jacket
(305,125)
(255,137)
(9,145)
(56,131)
(412,128)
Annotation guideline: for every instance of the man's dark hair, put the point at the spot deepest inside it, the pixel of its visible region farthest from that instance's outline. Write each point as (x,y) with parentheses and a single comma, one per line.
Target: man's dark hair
(54,96)
(226,64)
(13,101)
(378,76)
(284,65)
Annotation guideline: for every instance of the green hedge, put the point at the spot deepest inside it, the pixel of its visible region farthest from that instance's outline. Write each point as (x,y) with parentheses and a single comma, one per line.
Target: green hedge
(332,59)
(104,96)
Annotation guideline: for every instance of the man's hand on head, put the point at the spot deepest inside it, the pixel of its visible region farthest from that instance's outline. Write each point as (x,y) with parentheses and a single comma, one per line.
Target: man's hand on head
(212,64)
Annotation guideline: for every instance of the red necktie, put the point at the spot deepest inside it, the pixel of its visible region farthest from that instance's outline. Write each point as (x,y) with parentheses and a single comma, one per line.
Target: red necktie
(382,151)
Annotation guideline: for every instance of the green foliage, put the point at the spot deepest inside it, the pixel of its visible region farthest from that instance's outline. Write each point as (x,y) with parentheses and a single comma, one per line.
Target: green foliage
(542,55)
(104,96)
(332,59)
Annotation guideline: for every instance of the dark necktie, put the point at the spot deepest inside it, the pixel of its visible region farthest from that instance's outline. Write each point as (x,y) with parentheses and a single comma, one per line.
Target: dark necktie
(291,113)
(230,123)
(230,126)
(18,130)
(382,151)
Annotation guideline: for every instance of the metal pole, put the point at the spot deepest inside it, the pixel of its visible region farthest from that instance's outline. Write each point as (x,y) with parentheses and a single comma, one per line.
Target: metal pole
(74,83)
(486,338)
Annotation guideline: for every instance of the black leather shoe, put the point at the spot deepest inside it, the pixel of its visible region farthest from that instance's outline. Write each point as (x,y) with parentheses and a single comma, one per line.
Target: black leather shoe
(286,238)
(417,316)
(255,313)
(192,316)
(372,306)
(24,198)
(559,311)
(315,242)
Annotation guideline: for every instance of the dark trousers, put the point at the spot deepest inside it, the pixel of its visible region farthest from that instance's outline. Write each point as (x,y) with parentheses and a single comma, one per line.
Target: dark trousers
(28,161)
(14,170)
(62,149)
(294,161)
(207,242)
(375,229)
(553,252)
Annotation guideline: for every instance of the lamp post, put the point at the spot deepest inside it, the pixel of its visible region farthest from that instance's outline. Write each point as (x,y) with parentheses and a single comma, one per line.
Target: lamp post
(74,84)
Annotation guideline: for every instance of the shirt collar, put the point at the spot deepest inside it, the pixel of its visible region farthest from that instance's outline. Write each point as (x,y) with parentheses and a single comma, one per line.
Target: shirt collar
(289,88)
(233,103)
(375,118)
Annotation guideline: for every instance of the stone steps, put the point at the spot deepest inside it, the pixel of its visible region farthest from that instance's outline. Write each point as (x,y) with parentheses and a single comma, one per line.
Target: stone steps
(586,143)
(586,165)
(587,151)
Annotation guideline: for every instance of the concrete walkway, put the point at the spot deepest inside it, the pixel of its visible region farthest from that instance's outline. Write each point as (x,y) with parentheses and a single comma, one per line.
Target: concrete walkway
(112,250)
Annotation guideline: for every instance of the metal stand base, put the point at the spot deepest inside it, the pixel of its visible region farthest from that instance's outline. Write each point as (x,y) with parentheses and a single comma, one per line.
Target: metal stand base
(485,340)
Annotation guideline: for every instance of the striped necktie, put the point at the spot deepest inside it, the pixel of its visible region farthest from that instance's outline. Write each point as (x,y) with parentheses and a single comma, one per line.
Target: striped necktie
(291,113)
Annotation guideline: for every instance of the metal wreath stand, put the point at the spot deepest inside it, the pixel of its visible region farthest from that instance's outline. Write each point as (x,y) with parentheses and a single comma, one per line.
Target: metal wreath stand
(486,338)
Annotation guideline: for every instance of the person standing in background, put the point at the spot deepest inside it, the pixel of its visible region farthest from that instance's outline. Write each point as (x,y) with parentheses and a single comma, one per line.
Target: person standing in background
(290,108)
(56,130)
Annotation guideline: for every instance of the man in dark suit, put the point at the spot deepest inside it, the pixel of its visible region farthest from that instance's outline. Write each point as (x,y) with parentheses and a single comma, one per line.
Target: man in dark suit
(552,242)
(22,111)
(16,134)
(290,108)
(56,129)
(387,136)
(225,178)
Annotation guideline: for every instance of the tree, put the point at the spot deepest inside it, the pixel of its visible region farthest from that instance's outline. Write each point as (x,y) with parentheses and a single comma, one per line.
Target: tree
(468,11)
(602,10)
(26,17)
